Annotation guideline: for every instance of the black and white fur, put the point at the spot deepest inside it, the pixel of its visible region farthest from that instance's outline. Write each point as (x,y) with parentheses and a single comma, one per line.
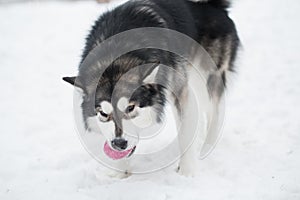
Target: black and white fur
(205,21)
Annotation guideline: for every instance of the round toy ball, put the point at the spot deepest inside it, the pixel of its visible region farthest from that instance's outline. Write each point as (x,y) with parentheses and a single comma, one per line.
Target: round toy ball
(115,154)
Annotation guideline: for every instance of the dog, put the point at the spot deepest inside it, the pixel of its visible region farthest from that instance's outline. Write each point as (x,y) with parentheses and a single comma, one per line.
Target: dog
(111,107)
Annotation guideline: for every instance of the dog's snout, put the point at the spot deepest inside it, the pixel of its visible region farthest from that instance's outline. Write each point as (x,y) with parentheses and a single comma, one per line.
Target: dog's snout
(119,144)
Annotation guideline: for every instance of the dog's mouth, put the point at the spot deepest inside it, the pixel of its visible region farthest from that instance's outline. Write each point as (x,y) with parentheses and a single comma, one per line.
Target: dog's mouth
(116,154)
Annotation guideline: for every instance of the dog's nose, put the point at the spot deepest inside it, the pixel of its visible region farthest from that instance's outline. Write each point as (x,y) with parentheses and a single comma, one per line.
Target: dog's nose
(119,144)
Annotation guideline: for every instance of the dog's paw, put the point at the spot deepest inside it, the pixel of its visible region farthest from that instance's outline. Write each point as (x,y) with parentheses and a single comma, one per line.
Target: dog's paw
(117,174)
(186,170)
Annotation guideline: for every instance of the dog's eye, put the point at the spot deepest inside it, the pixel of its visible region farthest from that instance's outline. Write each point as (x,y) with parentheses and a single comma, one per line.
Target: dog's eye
(102,115)
(130,108)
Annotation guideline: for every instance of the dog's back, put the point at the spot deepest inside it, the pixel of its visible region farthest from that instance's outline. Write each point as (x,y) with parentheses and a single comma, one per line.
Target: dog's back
(206,21)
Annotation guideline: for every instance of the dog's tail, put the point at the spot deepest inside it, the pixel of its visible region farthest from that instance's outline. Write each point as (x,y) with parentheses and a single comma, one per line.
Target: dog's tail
(223,4)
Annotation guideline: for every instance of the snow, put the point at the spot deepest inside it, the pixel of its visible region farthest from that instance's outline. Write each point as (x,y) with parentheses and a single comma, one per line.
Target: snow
(41,156)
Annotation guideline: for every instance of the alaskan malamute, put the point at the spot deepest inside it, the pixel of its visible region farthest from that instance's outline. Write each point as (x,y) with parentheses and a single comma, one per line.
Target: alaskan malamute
(205,21)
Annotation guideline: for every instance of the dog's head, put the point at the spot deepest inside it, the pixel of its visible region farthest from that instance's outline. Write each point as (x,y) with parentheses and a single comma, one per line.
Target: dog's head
(121,102)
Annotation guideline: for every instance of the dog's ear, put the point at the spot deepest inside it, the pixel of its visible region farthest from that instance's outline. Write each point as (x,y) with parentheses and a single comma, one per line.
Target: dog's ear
(150,73)
(75,81)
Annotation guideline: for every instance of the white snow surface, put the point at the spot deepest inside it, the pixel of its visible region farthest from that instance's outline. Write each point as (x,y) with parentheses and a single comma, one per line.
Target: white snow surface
(41,157)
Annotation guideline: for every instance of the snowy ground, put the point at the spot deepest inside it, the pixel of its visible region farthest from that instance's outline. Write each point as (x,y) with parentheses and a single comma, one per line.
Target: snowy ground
(41,156)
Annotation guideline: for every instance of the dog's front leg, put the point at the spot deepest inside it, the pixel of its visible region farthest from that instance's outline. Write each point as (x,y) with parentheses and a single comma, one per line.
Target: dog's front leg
(188,136)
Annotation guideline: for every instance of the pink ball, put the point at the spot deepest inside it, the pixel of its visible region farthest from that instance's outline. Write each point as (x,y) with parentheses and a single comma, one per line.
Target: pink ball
(115,154)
